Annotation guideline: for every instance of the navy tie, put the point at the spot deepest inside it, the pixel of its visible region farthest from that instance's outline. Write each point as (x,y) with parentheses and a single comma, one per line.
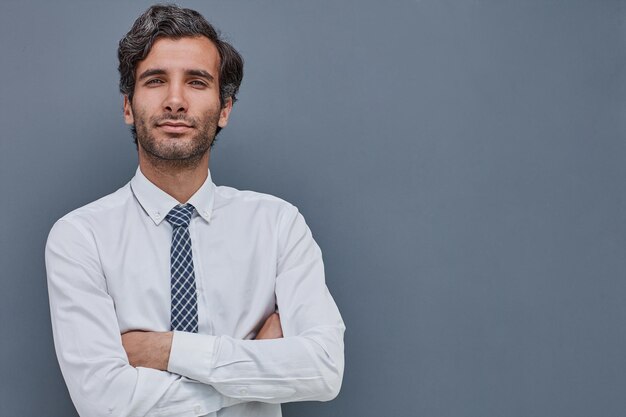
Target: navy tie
(184,298)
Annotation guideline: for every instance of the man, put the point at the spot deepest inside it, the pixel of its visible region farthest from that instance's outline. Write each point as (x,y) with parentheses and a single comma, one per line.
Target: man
(176,297)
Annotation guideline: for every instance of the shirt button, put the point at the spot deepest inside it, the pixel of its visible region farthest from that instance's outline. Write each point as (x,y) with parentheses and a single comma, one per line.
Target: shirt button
(197,409)
(157,214)
(243,391)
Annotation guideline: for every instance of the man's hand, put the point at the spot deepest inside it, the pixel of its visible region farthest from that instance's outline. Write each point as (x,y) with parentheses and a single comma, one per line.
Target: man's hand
(148,349)
(271,328)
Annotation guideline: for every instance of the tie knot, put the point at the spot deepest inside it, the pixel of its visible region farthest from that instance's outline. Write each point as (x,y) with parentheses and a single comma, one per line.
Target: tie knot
(180,215)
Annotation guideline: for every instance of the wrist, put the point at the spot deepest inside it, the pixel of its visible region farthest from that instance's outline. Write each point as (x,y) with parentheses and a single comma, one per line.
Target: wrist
(165,349)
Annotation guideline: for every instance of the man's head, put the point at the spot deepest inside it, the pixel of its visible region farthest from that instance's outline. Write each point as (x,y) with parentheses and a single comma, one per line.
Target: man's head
(175,23)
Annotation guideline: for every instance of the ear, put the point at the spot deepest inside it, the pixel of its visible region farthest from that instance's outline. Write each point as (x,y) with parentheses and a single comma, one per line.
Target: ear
(225,112)
(128,111)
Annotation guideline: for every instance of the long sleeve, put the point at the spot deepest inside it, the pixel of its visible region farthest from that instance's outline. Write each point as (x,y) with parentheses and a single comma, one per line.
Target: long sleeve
(307,364)
(87,339)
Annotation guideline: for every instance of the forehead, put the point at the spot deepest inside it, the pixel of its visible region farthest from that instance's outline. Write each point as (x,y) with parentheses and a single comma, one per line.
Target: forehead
(182,54)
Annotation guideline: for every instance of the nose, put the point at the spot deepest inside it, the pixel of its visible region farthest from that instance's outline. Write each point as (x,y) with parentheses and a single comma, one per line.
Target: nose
(175,101)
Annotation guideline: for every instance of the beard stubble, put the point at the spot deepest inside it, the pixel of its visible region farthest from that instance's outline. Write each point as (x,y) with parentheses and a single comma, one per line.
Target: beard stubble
(174,152)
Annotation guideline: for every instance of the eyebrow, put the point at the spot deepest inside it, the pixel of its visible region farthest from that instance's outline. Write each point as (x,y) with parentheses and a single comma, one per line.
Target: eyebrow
(200,73)
(160,71)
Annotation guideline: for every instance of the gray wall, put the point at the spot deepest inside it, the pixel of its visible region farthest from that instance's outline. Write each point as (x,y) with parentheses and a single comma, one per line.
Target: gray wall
(461,164)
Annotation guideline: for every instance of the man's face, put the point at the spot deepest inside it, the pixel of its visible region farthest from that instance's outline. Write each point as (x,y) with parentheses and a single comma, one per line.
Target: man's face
(176,103)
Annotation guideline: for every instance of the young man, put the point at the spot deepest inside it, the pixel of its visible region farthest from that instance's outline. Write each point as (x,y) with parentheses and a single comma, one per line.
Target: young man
(165,295)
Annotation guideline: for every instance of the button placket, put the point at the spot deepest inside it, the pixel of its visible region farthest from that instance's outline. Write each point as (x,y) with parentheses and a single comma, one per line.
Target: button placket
(204,312)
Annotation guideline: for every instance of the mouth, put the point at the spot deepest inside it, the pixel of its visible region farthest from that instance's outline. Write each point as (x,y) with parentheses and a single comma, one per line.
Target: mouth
(174,127)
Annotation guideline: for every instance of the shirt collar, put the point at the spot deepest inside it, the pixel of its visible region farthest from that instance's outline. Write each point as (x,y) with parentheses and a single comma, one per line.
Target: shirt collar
(157,203)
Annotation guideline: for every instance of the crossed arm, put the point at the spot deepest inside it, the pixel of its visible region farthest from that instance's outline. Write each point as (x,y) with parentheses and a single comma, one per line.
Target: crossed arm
(152,349)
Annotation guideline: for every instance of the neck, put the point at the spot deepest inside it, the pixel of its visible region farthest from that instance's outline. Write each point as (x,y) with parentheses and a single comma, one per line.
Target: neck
(180,179)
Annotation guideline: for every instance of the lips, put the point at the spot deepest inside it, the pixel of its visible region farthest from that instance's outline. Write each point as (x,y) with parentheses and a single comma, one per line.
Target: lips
(175,127)
(175,124)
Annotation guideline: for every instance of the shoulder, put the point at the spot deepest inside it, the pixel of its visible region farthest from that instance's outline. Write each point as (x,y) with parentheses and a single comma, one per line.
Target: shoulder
(263,211)
(84,218)
(232,197)
(254,207)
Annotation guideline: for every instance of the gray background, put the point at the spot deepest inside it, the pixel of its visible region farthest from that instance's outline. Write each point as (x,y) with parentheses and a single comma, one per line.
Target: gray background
(461,164)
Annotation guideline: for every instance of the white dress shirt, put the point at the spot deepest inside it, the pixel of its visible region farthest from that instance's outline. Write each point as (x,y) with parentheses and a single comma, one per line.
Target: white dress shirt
(108,266)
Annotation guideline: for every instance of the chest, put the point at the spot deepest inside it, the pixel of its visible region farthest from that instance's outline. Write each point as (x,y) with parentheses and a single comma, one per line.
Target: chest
(234,275)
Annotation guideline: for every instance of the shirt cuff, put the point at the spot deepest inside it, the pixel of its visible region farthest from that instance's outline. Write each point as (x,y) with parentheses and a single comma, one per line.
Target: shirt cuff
(192,355)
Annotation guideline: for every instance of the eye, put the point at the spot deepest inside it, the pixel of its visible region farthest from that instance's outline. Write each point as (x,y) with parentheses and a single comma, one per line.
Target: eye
(154,81)
(198,83)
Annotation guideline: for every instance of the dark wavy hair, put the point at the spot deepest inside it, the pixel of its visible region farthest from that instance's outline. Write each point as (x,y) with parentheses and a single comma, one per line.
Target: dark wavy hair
(172,21)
